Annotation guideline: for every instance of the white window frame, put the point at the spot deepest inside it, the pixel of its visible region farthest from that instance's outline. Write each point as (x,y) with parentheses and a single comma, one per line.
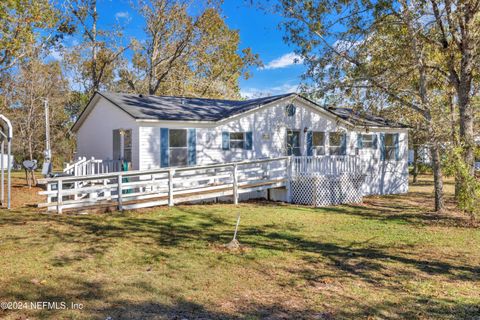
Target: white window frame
(243,142)
(390,150)
(332,146)
(367,144)
(318,150)
(177,148)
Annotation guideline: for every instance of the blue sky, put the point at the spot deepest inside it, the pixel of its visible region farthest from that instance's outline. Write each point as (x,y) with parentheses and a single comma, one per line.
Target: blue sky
(258,30)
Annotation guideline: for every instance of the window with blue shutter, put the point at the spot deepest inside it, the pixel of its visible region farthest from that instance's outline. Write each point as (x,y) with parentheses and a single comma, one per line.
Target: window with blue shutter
(192,147)
(248,140)
(225,140)
(383,149)
(309,143)
(164,148)
(375,141)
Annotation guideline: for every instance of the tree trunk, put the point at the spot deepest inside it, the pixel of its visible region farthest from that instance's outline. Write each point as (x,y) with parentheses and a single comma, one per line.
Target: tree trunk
(466,130)
(415,163)
(437,178)
(95,80)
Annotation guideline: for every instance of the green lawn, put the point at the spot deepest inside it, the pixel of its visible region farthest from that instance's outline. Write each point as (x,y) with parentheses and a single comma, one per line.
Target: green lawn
(389,258)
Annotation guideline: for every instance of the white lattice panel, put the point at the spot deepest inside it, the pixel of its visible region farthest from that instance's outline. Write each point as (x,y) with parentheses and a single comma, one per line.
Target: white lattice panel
(324,190)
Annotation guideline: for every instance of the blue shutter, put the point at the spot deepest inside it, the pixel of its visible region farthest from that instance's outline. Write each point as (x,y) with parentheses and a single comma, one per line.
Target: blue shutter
(397,147)
(375,141)
(309,143)
(164,144)
(192,147)
(344,144)
(359,141)
(225,140)
(248,140)
(383,150)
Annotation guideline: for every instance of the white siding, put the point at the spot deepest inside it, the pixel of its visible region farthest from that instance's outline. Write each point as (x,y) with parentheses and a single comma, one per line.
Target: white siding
(271,121)
(95,135)
(388,176)
(269,127)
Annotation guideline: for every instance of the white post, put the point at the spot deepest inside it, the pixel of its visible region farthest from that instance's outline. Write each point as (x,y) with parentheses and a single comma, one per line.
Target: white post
(9,168)
(289,179)
(235,184)
(59,196)
(119,191)
(171,173)
(49,188)
(3,173)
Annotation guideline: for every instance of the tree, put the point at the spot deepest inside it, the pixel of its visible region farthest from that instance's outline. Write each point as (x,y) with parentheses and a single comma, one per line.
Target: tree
(20,24)
(25,94)
(186,54)
(96,58)
(375,51)
(458,39)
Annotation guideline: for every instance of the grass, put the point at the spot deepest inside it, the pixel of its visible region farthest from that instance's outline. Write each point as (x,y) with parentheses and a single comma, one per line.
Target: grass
(389,258)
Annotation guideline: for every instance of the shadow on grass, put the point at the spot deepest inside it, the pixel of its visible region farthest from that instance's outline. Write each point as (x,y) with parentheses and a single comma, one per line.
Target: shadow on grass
(192,227)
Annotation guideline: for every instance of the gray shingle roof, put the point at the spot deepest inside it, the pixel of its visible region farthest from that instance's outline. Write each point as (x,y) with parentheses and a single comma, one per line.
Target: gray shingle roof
(183,109)
(200,109)
(358,118)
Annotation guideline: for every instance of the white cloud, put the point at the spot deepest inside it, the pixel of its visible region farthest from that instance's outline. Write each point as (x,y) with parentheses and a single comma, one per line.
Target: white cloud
(55,54)
(284,61)
(251,93)
(122,15)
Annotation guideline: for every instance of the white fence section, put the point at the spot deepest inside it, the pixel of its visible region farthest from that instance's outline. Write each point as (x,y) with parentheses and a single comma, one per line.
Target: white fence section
(139,189)
(317,181)
(331,165)
(84,166)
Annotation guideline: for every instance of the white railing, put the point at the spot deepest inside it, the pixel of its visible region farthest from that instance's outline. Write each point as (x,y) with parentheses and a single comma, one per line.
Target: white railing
(326,165)
(146,188)
(139,189)
(84,166)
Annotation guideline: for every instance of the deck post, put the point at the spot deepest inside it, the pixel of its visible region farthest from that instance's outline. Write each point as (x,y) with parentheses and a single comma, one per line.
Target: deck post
(49,196)
(171,173)
(59,196)
(235,184)
(289,179)
(119,191)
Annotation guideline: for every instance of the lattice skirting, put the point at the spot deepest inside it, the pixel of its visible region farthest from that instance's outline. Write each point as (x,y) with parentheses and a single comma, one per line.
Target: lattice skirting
(324,190)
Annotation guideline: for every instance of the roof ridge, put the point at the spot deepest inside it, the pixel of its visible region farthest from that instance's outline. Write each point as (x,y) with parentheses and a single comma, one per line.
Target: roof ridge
(186,97)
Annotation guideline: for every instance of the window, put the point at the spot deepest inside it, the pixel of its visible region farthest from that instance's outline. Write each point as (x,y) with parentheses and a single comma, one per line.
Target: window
(368,141)
(127,145)
(290,110)
(293,143)
(122,144)
(178,147)
(337,143)
(390,146)
(237,140)
(318,143)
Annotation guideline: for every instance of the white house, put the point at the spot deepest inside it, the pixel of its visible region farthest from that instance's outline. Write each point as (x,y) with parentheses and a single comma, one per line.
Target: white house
(162,131)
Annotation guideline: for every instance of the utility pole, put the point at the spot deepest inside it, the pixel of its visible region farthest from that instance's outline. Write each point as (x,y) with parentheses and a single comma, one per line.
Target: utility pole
(47,165)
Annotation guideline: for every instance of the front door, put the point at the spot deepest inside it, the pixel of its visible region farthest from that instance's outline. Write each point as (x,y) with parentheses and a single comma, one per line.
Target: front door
(293,142)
